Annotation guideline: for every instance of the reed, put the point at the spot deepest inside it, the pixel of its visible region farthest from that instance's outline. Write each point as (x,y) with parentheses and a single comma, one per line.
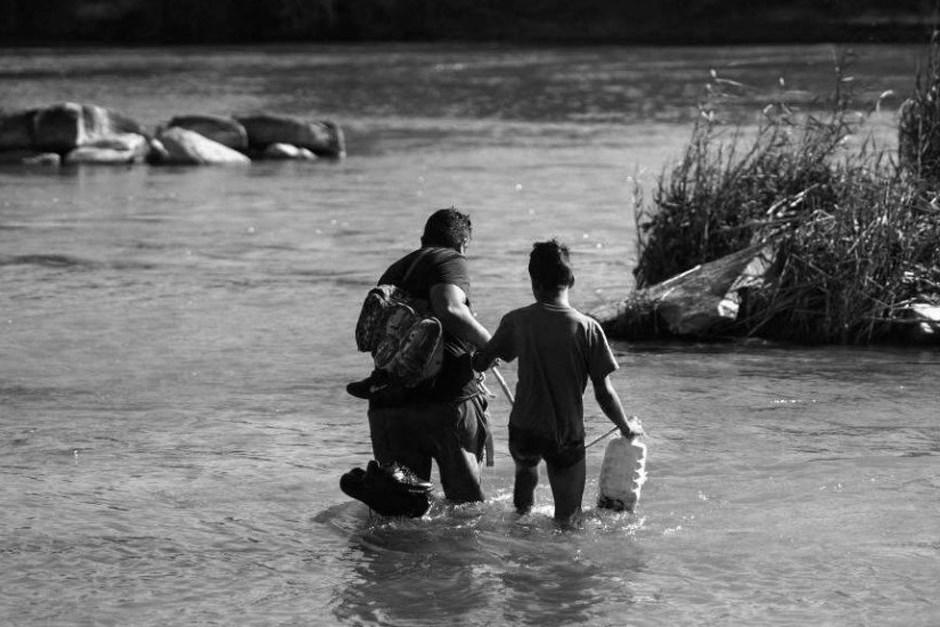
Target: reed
(724,193)
(919,122)
(857,240)
(849,271)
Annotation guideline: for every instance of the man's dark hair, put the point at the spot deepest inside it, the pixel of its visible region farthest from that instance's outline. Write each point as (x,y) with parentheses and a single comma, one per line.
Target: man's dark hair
(447,228)
(549,265)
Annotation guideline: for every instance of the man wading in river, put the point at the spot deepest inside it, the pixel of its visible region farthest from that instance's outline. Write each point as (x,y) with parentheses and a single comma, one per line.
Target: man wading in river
(443,418)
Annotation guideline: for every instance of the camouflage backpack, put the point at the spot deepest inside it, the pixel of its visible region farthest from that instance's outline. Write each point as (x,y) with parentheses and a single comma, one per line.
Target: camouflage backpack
(401,333)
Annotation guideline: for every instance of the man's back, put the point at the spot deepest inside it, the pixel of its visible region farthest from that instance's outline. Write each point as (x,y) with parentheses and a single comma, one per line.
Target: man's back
(417,272)
(447,422)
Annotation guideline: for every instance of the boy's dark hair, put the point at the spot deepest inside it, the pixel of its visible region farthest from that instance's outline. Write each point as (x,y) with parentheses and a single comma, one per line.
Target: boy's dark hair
(549,265)
(447,228)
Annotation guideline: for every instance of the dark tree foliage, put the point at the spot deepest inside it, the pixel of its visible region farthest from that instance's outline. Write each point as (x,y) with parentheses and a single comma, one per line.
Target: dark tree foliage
(663,21)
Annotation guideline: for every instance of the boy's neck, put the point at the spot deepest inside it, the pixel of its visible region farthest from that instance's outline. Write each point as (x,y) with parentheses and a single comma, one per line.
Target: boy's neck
(555,296)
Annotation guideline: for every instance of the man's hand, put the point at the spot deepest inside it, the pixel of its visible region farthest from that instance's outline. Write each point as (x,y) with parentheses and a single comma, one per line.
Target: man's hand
(482,363)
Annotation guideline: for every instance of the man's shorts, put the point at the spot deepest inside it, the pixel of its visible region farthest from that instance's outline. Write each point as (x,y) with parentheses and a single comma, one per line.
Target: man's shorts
(452,434)
(528,448)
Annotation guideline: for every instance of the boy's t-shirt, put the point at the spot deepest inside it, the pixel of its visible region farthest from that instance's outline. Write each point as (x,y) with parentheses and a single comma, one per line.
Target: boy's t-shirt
(559,349)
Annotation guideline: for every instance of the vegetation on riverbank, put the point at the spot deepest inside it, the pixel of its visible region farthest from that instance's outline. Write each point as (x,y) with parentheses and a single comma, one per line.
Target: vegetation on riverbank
(855,235)
(590,21)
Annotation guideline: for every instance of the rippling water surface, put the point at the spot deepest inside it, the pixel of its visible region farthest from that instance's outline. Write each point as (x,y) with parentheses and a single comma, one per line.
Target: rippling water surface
(174,344)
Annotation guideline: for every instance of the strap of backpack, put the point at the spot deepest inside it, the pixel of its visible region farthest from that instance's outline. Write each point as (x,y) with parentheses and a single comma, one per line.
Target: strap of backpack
(421,255)
(414,264)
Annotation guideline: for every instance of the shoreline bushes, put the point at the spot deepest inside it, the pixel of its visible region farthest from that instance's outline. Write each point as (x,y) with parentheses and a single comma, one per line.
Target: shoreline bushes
(856,237)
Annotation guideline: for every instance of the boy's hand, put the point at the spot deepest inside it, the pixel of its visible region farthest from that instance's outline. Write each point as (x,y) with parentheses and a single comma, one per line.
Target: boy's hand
(634,427)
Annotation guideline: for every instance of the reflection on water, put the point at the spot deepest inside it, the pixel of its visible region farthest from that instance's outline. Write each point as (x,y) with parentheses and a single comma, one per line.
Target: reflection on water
(481,563)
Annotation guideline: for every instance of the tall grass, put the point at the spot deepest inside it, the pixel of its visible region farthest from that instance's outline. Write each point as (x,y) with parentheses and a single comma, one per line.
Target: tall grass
(919,123)
(722,194)
(848,271)
(857,240)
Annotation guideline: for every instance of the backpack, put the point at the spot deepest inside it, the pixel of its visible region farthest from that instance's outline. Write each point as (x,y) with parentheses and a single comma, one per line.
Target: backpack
(401,333)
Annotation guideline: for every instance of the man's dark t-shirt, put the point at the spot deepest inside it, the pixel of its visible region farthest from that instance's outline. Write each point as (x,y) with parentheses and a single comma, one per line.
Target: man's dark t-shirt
(438,265)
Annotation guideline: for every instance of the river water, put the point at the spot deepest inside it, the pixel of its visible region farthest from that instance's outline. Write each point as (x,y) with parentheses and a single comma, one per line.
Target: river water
(175,342)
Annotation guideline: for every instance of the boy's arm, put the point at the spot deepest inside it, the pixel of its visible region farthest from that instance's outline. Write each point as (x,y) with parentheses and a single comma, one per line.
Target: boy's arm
(610,404)
(496,349)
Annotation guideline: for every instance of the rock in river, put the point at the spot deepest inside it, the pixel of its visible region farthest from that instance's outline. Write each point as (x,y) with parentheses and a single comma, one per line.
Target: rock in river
(186,147)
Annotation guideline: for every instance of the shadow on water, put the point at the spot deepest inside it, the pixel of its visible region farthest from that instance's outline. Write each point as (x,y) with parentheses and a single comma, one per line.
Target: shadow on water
(481,563)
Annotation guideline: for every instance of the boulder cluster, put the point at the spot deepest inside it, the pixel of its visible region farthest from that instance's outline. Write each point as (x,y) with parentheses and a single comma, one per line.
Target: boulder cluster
(71,133)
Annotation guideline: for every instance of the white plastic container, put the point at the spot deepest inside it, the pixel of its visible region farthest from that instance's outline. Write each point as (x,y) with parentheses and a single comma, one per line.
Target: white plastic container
(623,473)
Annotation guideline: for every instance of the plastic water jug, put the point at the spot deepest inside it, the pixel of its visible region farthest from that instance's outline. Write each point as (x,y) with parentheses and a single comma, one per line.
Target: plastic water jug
(623,473)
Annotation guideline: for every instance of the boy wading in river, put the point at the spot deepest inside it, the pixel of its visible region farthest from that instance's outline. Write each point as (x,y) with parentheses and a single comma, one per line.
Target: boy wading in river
(559,349)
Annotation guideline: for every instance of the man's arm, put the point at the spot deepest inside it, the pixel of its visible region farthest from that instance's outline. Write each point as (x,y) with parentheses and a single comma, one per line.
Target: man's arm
(449,304)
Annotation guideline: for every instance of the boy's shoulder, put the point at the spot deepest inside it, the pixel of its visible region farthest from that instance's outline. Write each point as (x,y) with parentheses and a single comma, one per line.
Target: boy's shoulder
(538,309)
(588,324)
(521,311)
(527,311)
